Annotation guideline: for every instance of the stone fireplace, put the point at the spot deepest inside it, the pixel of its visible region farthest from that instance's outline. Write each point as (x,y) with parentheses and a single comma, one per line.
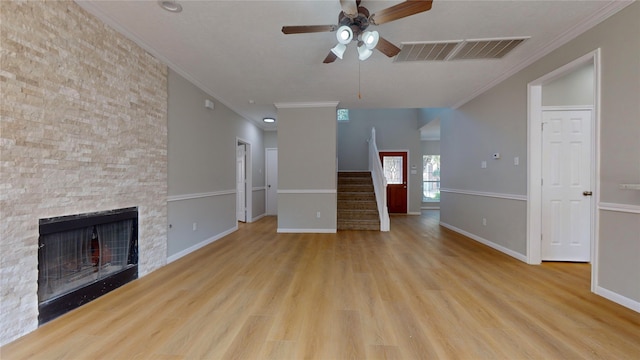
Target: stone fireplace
(84,256)
(84,128)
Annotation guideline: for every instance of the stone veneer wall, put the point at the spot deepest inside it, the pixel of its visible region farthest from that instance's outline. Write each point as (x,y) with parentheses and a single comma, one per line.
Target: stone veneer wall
(83,128)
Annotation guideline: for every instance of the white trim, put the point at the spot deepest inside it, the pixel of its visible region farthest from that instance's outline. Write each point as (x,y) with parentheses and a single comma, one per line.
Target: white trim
(259,217)
(605,12)
(626,208)
(200,245)
(414,213)
(567,108)
(300,105)
(430,208)
(321,231)
(618,299)
(486,242)
(200,195)
(307,191)
(629,186)
(259,188)
(486,194)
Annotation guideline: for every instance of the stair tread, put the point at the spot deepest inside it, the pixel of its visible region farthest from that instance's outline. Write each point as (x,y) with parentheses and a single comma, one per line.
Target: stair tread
(357,206)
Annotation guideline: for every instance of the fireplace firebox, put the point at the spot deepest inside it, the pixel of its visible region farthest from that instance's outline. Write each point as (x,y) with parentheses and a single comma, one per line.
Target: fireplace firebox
(84,256)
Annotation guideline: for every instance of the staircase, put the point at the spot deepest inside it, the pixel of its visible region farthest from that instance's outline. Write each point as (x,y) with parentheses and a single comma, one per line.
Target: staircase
(357,208)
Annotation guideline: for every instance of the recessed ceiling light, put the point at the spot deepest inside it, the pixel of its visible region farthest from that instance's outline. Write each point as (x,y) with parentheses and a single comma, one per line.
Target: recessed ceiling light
(269,120)
(170,5)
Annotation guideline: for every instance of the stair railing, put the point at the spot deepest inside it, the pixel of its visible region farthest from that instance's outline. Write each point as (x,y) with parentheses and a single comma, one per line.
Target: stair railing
(379,182)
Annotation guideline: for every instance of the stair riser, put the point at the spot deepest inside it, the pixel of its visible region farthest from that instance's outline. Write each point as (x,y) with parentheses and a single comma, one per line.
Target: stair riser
(358,205)
(355,188)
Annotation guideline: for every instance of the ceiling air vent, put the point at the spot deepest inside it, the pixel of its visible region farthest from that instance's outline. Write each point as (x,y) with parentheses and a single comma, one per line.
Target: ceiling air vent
(426,51)
(457,49)
(486,48)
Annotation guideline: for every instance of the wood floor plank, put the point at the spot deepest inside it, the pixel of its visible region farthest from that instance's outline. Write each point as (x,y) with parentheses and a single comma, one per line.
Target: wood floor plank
(417,292)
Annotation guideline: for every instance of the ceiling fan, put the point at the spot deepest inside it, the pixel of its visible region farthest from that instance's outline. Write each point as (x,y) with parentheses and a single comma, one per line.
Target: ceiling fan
(353,22)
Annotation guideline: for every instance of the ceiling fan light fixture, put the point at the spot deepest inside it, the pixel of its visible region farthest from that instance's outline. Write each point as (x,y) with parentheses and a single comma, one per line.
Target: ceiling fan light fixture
(170,5)
(364,53)
(339,50)
(344,34)
(370,39)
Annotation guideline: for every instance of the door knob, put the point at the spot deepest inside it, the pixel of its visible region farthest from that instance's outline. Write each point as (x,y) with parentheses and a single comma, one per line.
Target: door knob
(587,193)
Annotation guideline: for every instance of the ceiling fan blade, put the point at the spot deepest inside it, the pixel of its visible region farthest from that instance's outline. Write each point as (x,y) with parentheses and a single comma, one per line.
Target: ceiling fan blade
(330,58)
(387,48)
(399,11)
(303,29)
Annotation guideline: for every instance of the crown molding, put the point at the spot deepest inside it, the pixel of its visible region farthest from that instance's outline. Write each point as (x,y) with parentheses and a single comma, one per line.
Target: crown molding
(298,105)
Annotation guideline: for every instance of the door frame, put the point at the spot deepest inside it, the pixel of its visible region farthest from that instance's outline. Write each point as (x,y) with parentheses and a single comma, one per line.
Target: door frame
(534,156)
(248,193)
(408,173)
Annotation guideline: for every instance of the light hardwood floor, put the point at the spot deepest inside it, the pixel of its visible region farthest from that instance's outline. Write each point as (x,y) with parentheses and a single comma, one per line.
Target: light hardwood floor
(417,292)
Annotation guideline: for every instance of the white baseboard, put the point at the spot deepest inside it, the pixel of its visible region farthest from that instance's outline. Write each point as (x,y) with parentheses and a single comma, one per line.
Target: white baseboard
(484,241)
(316,231)
(618,299)
(414,213)
(200,245)
(258,217)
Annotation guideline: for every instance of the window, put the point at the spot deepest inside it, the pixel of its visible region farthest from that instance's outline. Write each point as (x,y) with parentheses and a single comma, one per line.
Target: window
(343,114)
(430,178)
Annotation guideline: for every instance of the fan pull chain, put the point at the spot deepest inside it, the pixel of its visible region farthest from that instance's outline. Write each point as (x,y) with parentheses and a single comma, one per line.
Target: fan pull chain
(359,95)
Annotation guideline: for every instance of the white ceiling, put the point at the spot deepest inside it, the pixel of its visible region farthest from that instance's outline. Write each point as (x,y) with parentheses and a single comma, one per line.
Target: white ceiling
(235,50)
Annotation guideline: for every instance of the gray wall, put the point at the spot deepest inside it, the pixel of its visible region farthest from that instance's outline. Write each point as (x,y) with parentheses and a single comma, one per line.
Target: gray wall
(201,166)
(270,139)
(307,168)
(430,147)
(575,88)
(396,129)
(497,121)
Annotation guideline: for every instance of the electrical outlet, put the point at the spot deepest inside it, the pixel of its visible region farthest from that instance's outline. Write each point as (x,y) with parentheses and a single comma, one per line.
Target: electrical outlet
(318,215)
(484,222)
(195,226)
(483,164)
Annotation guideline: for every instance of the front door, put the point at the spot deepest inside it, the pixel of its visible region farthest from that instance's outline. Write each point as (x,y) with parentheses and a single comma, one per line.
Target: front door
(394,165)
(566,186)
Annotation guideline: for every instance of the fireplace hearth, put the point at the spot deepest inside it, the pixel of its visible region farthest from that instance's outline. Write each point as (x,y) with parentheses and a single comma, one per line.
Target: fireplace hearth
(84,256)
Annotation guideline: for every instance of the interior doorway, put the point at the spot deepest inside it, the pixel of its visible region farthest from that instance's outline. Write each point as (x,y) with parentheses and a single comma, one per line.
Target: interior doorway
(394,167)
(536,192)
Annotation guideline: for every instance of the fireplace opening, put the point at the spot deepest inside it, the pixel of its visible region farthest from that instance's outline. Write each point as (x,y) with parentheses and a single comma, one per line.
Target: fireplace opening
(84,256)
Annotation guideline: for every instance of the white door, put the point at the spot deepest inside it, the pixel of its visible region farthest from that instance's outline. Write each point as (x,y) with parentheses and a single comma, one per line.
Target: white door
(566,186)
(241,184)
(272,181)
